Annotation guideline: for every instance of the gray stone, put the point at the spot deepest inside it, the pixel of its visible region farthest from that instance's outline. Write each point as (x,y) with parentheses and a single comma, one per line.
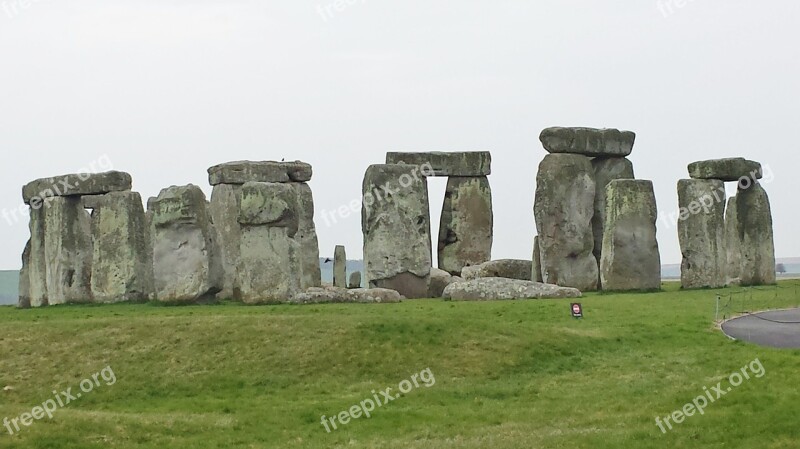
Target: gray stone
(307,236)
(396,228)
(470,163)
(355,280)
(241,172)
(631,259)
(606,169)
(269,269)
(440,279)
(731,169)
(493,289)
(25,279)
(37,264)
(701,231)
(504,268)
(122,266)
(466,227)
(75,185)
(68,251)
(754,216)
(536,262)
(588,141)
(733,243)
(564,207)
(322,295)
(187,264)
(224,209)
(340,267)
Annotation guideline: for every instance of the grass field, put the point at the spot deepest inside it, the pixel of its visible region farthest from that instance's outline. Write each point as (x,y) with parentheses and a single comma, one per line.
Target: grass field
(519,374)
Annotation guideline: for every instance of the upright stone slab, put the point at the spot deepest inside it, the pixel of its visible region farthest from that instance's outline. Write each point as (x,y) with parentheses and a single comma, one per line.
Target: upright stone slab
(701,231)
(756,236)
(355,280)
(37,264)
(606,169)
(122,266)
(564,208)
(340,267)
(269,269)
(307,236)
(588,141)
(733,243)
(466,227)
(187,264)
(68,251)
(396,226)
(466,163)
(536,262)
(631,259)
(224,210)
(25,279)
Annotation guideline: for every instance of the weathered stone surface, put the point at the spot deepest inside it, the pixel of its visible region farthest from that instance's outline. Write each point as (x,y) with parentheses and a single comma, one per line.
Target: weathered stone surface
(467,223)
(504,268)
(317,295)
(588,141)
(470,163)
(733,243)
(564,206)
(701,232)
(631,259)
(340,267)
(606,169)
(440,279)
(25,279)
(269,269)
(76,184)
(224,209)
(754,216)
(492,289)
(536,261)
(68,251)
(187,264)
(307,236)
(731,169)
(122,267)
(355,280)
(241,172)
(396,227)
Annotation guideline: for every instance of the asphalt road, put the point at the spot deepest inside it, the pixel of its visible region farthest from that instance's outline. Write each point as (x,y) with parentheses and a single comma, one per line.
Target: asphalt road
(778,329)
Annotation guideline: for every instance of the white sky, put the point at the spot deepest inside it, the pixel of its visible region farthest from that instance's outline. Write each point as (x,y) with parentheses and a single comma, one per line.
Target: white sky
(165,89)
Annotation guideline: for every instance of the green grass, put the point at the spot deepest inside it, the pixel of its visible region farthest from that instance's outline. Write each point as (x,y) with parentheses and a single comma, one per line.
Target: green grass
(518,374)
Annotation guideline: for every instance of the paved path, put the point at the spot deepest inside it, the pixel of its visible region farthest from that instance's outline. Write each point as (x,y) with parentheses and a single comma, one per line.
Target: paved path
(779,329)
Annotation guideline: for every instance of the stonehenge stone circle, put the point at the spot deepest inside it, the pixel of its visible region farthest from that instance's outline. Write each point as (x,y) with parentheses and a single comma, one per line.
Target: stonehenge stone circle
(340,267)
(701,231)
(460,164)
(606,169)
(631,258)
(396,227)
(187,264)
(504,268)
(588,141)
(564,207)
(467,223)
(494,289)
(754,226)
(731,169)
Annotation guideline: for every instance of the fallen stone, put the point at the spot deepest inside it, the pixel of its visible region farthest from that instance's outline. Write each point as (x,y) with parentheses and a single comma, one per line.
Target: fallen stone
(731,169)
(605,170)
(355,280)
(471,163)
(631,259)
(564,207)
(588,141)
(241,172)
(504,268)
(466,227)
(492,289)
(701,231)
(440,279)
(68,251)
(35,192)
(322,295)
(757,244)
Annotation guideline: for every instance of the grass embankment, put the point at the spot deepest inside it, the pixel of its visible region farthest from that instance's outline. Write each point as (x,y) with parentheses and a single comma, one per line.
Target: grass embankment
(520,374)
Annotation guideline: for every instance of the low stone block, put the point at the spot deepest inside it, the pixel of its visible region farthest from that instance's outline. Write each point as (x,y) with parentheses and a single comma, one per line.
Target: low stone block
(494,289)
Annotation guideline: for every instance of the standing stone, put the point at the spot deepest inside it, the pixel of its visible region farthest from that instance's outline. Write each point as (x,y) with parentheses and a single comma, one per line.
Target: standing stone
(396,226)
(701,231)
(355,280)
(564,207)
(606,169)
(187,265)
(68,251)
(37,261)
(25,279)
(340,267)
(536,262)
(756,236)
(307,236)
(224,209)
(631,259)
(466,228)
(733,243)
(269,269)
(122,266)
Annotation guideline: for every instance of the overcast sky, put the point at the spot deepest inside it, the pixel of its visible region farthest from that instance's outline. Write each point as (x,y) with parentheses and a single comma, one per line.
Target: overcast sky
(165,89)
